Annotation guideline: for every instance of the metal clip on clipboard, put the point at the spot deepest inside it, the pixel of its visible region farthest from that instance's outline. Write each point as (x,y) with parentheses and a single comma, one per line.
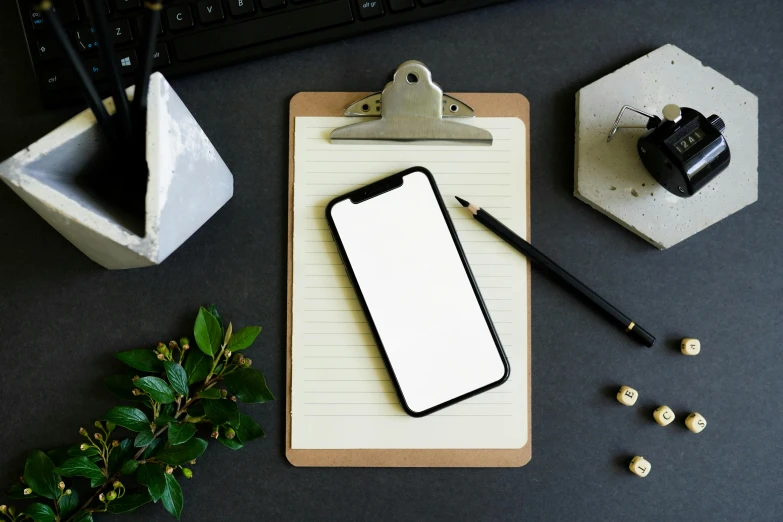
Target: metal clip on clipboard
(413,108)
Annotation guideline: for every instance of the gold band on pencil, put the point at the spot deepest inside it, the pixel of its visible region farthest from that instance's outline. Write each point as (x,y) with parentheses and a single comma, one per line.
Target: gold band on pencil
(46,5)
(630,327)
(153,6)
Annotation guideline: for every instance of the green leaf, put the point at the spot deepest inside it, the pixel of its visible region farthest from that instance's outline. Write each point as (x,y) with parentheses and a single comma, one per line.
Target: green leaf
(84,517)
(154,477)
(144,359)
(248,429)
(212,393)
(143,439)
(233,444)
(223,411)
(182,453)
(197,366)
(58,455)
(243,338)
(129,502)
(17,492)
(213,310)
(120,454)
(177,377)
(76,451)
(68,504)
(249,385)
(152,448)
(122,386)
(172,497)
(180,433)
(158,389)
(80,467)
(208,332)
(162,420)
(94,483)
(40,512)
(39,474)
(131,418)
(130,467)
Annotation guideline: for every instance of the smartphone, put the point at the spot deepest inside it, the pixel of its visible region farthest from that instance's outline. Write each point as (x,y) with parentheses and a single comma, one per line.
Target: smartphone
(405,262)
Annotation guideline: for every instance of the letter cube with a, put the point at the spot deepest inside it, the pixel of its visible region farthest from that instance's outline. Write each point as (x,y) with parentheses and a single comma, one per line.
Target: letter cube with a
(690,346)
(640,467)
(695,422)
(663,415)
(627,395)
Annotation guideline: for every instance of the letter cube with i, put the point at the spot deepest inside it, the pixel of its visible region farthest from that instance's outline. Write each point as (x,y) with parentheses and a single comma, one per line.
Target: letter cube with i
(640,467)
(695,422)
(663,415)
(690,346)
(627,395)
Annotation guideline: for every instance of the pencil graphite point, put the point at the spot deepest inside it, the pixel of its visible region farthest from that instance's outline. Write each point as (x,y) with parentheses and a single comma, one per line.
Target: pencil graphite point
(462,201)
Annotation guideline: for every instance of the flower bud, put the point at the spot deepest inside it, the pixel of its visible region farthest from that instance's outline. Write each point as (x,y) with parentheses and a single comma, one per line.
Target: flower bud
(111,496)
(161,347)
(110,426)
(247,363)
(82,431)
(183,341)
(193,462)
(98,436)
(3,509)
(230,433)
(68,491)
(61,485)
(173,345)
(98,424)
(161,357)
(187,473)
(223,394)
(228,354)
(234,398)
(117,484)
(169,470)
(28,491)
(135,378)
(115,443)
(136,391)
(83,447)
(215,434)
(102,497)
(237,357)
(241,360)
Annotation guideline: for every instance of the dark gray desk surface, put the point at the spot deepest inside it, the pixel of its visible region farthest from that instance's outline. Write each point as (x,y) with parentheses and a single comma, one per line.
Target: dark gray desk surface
(61,316)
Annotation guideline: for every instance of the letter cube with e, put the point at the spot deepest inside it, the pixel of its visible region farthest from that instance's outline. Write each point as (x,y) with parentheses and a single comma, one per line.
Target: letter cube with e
(695,422)
(627,395)
(663,415)
(690,346)
(640,467)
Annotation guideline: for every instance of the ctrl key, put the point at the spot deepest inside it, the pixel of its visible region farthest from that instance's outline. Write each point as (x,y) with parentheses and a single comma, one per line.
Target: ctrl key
(55,80)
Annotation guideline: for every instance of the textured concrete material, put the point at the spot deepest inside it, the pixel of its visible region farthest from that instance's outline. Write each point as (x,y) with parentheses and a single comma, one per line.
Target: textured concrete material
(188,183)
(611,178)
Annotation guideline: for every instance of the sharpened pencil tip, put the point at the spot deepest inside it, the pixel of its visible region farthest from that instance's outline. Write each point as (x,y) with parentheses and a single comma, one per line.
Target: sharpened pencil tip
(462,201)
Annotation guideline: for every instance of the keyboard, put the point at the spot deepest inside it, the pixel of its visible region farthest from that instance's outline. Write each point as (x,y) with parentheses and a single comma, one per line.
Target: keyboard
(200,35)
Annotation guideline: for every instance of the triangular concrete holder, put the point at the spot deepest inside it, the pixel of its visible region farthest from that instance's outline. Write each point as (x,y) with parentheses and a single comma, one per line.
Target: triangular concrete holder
(188,183)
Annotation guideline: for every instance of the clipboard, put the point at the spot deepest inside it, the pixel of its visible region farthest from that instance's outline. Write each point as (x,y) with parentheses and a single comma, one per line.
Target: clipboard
(403,121)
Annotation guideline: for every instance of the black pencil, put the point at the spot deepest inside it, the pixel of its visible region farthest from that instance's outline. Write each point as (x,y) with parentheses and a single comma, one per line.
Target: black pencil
(97,10)
(89,91)
(541,260)
(149,34)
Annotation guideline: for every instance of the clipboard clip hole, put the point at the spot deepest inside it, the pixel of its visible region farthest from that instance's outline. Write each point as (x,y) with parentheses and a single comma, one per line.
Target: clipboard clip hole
(453,107)
(366,108)
(412,78)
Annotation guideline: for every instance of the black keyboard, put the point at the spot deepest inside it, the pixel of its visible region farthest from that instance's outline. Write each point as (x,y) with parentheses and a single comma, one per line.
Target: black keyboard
(198,35)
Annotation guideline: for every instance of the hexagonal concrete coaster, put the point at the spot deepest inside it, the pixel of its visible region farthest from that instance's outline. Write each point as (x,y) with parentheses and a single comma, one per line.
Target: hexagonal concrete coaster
(611,178)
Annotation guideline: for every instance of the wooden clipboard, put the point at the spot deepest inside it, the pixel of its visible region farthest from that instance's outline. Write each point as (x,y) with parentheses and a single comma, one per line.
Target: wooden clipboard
(333,104)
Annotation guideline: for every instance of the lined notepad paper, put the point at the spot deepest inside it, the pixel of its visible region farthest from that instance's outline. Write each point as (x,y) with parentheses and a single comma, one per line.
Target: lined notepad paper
(342,397)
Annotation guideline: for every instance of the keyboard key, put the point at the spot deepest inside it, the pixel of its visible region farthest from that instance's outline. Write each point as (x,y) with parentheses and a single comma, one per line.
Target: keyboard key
(85,39)
(66,10)
(127,61)
(401,5)
(125,5)
(57,80)
(241,7)
(95,68)
(48,49)
(39,22)
(142,25)
(259,30)
(179,17)
(272,4)
(370,8)
(160,58)
(210,11)
(121,31)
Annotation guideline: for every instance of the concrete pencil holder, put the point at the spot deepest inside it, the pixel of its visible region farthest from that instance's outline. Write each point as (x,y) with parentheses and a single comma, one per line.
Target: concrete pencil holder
(188,183)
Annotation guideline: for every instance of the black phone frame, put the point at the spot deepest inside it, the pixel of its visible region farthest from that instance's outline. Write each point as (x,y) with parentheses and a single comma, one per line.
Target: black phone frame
(376,189)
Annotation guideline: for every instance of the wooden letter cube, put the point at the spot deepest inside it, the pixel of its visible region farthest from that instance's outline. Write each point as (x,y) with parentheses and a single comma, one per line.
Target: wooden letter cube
(690,346)
(640,467)
(663,415)
(695,422)
(627,395)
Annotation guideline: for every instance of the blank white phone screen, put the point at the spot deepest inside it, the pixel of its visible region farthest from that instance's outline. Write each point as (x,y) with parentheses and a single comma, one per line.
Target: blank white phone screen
(418,294)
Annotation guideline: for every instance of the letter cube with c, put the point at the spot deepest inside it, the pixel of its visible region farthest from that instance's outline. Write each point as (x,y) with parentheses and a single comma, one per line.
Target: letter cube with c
(663,415)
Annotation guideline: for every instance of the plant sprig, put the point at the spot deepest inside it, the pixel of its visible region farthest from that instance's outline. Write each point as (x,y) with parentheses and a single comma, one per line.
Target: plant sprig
(182,389)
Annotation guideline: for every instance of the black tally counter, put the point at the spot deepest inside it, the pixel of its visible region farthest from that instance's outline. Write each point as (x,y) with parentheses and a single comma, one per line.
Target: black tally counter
(683,151)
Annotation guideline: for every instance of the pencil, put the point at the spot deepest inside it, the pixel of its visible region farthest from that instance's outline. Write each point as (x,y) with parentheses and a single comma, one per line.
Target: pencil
(149,34)
(542,261)
(97,9)
(89,91)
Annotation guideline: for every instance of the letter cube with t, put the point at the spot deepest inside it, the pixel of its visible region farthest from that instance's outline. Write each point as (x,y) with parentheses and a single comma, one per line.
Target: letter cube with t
(695,422)
(640,467)
(627,395)
(663,415)
(690,346)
